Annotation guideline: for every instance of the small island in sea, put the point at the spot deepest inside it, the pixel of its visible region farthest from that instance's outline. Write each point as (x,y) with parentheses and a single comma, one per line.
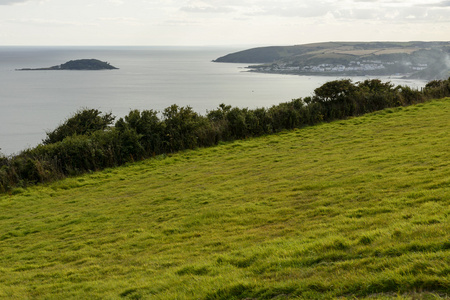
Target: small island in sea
(79,64)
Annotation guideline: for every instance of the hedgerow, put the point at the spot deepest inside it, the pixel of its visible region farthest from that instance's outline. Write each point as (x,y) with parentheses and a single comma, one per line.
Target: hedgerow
(89,141)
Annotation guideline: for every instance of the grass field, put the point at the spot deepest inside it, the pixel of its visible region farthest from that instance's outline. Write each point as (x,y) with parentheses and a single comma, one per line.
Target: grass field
(352,51)
(358,208)
(375,51)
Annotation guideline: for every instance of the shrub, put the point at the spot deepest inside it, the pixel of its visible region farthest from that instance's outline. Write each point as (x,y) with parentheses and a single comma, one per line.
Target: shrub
(373,95)
(86,141)
(286,116)
(337,98)
(84,121)
(236,122)
(219,122)
(437,89)
(410,96)
(180,127)
(147,126)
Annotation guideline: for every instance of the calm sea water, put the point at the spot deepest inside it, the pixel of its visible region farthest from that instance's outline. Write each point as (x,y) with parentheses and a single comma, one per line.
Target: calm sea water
(34,102)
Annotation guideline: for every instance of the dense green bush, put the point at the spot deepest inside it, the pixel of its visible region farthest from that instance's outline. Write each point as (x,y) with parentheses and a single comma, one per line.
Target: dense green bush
(147,127)
(373,95)
(180,128)
(437,89)
(89,141)
(84,121)
(219,123)
(410,96)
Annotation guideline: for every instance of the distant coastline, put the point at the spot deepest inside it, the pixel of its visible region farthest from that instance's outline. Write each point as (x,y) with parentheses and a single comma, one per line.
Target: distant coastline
(80,64)
(190,79)
(409,60)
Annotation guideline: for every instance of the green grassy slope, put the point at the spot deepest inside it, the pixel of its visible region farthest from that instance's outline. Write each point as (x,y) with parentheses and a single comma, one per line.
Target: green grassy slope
(353,208)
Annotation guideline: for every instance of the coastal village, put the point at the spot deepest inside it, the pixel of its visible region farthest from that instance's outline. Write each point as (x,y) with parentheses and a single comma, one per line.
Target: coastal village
(353,66)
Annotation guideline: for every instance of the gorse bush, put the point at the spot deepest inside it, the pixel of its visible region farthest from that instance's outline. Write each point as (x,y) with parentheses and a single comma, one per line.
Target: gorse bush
(89,141)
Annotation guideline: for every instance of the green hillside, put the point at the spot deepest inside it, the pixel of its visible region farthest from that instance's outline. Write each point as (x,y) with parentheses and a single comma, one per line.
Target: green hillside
(423,60)
(358,208)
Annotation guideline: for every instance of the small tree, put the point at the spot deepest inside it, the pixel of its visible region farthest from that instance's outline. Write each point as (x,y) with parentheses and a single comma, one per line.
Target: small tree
(334,91)
(437,88)
(147,125)
(236,123)
(83,122)
(374,95)
(219,122)
(337,98)
(180,127)
(220,113)
(3,159)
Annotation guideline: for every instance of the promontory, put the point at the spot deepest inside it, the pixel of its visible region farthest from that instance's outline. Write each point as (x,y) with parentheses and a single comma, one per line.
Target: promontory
(419,60)
(79,64)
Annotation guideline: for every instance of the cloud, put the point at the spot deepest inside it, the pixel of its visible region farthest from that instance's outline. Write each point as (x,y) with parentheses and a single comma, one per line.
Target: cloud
(49,22)
(355,14)
(120,20)
(116,2)
(10,2)
(208,6)
(442,4)
(221,21)
(180,22)
(303,9)
(206,9)
(370,10)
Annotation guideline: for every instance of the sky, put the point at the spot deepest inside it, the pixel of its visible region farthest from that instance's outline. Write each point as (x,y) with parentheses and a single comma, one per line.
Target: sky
(220,22)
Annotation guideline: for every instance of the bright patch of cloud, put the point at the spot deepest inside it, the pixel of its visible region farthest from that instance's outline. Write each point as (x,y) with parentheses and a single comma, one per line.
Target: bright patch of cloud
(375,10)
(10,2)
(206,9)
(440,4)
(48,22)
(304,9)
(116,2)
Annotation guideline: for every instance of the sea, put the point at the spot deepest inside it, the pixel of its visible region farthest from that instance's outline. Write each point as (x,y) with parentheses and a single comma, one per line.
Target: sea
(35,102)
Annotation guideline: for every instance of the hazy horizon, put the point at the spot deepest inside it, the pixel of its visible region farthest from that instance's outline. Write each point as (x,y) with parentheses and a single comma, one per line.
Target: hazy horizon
(225,46)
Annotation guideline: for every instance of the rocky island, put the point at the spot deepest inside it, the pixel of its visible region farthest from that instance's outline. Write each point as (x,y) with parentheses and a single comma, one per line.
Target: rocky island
(79,64)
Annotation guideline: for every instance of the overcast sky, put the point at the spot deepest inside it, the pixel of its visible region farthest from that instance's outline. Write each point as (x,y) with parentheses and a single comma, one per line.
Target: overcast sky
(220,22)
